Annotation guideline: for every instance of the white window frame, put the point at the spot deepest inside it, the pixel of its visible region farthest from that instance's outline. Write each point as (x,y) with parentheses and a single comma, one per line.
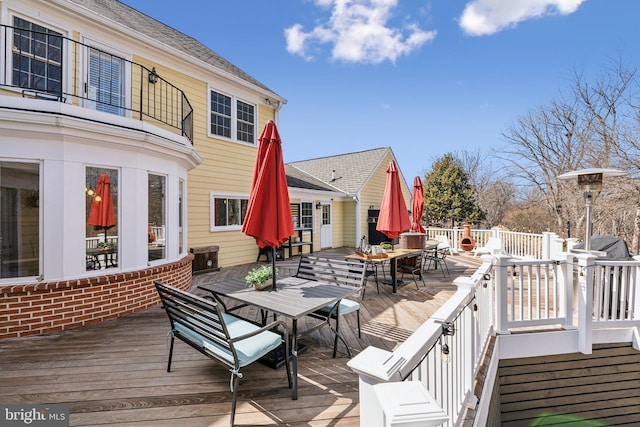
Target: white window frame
(313,213)
(6,73)
(234,118)
(212,210)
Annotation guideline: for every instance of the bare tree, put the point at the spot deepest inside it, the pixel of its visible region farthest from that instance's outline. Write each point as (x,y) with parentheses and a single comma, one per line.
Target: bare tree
(587,128)
(494,191)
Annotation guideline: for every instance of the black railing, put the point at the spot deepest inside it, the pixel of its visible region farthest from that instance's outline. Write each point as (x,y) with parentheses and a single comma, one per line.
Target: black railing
(45,65)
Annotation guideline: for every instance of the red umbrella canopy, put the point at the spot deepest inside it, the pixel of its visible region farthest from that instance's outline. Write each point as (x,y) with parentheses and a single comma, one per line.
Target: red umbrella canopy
(101,213)
(268,217)
(393,218)
(417,206)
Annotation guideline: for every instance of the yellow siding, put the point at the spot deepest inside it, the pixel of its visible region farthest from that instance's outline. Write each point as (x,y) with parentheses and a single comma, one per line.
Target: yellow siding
(227,168)
(373,191)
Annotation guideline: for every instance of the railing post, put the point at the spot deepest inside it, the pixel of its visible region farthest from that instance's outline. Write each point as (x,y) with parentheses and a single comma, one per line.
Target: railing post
(565,279)
(500,272)
(586,263)
(636,292)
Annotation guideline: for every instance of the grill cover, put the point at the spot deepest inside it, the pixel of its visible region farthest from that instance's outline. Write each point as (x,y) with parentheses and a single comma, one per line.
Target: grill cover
(613,247)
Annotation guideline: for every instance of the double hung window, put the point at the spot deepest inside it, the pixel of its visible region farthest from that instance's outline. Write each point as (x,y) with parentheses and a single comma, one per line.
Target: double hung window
(232,118)
(37,57)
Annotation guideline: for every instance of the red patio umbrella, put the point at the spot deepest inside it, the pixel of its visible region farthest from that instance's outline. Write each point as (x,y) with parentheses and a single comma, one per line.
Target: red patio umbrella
(417,206)
(268,217)
(393,218)
(102,214)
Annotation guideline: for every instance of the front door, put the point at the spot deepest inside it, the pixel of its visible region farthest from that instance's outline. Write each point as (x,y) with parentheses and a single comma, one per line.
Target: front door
(326,239)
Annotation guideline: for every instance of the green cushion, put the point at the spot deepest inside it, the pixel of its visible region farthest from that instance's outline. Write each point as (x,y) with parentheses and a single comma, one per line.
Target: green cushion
(249,350)
(346,306)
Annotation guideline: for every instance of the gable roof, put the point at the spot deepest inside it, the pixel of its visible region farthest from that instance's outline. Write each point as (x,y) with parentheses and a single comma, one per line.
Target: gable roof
(352,170)
(297,178)
(144,24)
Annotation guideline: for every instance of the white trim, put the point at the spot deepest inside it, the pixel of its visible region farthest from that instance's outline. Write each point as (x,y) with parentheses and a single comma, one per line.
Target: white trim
(212,220)
(234,117)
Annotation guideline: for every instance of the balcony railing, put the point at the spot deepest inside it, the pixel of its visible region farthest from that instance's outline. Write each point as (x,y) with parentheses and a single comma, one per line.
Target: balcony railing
(45,65)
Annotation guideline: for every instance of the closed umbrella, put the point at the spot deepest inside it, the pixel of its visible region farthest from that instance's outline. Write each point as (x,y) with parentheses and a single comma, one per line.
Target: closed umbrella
(268,217)
(393,218)
(102,214)
(417,206)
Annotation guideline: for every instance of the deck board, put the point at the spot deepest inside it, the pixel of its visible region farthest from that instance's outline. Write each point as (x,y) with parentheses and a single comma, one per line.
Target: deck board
(114,373)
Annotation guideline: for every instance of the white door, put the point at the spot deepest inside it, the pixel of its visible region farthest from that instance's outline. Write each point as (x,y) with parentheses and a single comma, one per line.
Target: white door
(326,239)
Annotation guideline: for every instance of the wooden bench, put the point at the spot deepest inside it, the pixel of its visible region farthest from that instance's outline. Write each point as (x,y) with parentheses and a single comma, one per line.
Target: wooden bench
(342,272)
(227,339)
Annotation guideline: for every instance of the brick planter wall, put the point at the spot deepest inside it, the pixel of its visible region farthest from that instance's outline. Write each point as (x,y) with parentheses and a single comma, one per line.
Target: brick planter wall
(39,308)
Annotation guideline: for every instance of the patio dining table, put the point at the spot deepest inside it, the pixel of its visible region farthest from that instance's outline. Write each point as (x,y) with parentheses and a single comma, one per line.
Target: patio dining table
(393,257)
(293,299)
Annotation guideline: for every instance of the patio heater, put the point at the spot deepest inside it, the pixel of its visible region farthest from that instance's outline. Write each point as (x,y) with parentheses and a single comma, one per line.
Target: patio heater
(590,182)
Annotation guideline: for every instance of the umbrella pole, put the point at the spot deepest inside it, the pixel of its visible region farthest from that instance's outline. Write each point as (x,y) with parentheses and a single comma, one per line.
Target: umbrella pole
(273,265)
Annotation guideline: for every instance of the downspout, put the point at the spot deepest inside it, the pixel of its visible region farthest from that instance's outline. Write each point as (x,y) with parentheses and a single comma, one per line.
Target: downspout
(276,110)
(358,222)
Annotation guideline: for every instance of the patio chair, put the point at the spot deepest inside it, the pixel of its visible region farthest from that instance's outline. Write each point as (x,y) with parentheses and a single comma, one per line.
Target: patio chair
(444,244)
(371,269)
(494,244)
(342,272)
(229,340)
(411,264)
(436,257)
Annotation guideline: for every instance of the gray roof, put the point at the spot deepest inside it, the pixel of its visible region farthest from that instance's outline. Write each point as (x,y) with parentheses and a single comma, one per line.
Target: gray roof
(352,170)
(139,22)
(300,179)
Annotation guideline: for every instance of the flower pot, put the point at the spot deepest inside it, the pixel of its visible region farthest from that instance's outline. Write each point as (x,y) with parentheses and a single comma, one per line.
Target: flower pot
(467,243)
(263,286)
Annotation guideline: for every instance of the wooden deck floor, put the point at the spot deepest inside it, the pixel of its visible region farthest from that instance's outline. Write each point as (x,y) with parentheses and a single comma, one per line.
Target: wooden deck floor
(114,373)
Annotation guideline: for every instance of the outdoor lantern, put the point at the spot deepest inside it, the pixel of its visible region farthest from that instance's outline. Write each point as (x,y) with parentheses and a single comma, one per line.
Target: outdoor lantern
(590,181)
(153,76)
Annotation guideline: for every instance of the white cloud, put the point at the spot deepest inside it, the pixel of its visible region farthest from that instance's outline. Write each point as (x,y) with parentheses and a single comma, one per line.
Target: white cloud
(483,17)
(359,32)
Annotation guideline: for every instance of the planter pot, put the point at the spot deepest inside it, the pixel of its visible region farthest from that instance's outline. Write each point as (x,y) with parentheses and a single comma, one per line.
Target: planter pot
(262,286)
(467,243)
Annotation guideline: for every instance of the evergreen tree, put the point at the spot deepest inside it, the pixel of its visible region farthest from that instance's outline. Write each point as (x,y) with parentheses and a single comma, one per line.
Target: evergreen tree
(448,195)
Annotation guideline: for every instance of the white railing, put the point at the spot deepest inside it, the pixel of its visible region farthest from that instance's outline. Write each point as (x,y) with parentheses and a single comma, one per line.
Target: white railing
(446,373)
(516,244)
(532,292)
(576,293)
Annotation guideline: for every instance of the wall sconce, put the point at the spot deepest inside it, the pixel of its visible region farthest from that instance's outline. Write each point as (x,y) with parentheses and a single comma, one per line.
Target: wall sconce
(590,181)
(153,76)
(448,329)
(318,204)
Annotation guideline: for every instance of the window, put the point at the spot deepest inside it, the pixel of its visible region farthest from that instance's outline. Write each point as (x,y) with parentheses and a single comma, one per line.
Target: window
(229,212)
(157,229)
(106,82)
(19,219)
(37,57)
(180,216)
(245,122)
(306,217)
(101,228)
(220,114)
(225,124)
(326,214)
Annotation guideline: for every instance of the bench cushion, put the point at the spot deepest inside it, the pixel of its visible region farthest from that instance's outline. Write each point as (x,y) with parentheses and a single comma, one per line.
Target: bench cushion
(249,350)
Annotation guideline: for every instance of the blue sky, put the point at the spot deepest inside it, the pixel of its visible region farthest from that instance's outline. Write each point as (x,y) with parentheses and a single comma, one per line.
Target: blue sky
(423,77)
